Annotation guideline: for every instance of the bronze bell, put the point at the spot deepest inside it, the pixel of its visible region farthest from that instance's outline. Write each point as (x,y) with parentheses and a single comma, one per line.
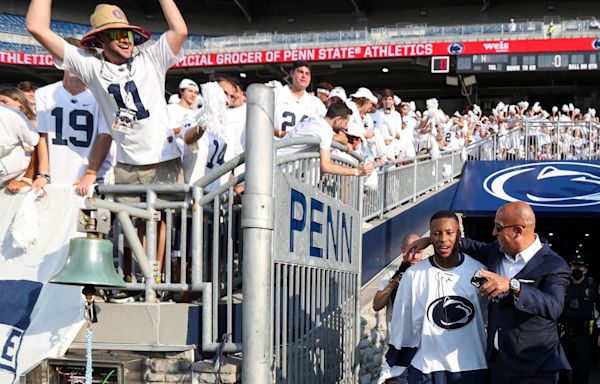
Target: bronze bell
(90,263)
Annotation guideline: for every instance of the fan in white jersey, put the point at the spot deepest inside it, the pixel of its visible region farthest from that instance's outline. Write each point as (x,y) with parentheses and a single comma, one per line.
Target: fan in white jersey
(391,123)
(363,102)
(324,128)
(128,87)
(206,147)
(293,103)
(183,108)
(17,136)
(70,122)
(438,323)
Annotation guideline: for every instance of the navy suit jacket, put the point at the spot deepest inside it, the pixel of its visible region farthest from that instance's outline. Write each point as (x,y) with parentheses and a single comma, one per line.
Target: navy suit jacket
(527,332)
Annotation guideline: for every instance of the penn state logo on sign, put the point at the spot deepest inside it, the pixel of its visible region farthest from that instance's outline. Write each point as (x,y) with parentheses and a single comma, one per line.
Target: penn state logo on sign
(549,184)
(451,312)
(596,44)
(456,48)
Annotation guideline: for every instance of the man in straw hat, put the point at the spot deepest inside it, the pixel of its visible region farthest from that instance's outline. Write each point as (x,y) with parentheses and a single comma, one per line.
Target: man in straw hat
(128,87)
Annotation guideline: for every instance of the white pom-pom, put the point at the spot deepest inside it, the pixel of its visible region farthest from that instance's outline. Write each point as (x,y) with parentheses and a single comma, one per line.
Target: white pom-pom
(412,106)
(565,108)
(571,107)
(274,84)
(554,109)
(212,113)
(397,100)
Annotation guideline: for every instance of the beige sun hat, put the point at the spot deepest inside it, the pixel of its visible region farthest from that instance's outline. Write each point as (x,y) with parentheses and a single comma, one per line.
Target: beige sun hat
(108,16)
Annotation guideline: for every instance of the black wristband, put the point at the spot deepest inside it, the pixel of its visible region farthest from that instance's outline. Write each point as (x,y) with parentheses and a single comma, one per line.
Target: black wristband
(44,175)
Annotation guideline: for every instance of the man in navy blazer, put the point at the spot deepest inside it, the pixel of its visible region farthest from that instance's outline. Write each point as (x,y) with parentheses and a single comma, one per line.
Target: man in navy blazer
(527,282)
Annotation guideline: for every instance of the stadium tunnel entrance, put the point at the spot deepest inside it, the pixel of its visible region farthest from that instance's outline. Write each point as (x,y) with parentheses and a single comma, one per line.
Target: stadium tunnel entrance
(566,235)
(561,193)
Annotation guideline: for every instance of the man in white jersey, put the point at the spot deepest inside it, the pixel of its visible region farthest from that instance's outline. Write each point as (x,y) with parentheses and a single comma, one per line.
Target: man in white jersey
(439,317)
(125,84)
(126,87)
(334,122)
(391,124)
(293,103)
(362,103)
(207,146)
(184,108)
(70,125)
(17,136)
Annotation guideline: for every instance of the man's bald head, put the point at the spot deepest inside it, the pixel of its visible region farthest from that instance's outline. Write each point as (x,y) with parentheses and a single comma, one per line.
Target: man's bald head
(519,213)
(406,241)
(514,227)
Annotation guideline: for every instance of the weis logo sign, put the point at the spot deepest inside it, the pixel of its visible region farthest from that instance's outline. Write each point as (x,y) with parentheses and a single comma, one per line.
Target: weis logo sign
(500,46)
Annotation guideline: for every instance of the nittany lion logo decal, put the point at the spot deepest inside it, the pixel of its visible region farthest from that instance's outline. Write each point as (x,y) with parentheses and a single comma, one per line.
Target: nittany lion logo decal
(456,48)
(451,312)
(558,184)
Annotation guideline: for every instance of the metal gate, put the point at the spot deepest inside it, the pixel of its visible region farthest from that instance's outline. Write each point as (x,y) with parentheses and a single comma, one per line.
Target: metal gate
(301,303)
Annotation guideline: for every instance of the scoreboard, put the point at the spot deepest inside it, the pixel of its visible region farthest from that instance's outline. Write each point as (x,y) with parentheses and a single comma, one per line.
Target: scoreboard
(528,62)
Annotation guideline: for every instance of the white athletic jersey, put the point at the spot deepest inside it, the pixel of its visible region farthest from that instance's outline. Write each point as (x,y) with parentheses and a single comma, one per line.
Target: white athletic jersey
(235,131)
(16,133)
(311,127)
(177,116)
(441,314)
(390,124)
(72,124)
(290,111)
(138,85)
(200,161)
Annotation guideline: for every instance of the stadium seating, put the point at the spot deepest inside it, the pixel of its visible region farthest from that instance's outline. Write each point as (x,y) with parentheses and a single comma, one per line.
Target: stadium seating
(15,25)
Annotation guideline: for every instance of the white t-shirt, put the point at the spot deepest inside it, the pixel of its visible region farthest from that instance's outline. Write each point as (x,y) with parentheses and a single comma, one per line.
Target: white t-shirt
(390,124)
(16,131)
(235,131)
(138,85)
(290,111)
(311,127)
(206,154)
(177,116)
(72,122)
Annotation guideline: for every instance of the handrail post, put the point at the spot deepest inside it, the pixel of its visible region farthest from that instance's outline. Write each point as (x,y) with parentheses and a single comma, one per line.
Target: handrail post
(257,225)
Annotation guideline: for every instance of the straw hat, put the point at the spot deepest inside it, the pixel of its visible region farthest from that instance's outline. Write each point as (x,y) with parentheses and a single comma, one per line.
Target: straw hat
(107,16)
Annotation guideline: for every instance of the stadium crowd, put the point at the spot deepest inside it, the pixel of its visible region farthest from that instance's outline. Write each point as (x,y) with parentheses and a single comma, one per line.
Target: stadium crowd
(102,123)
(381,125)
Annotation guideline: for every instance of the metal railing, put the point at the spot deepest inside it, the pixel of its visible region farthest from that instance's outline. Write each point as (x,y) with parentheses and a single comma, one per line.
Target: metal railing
(542,140)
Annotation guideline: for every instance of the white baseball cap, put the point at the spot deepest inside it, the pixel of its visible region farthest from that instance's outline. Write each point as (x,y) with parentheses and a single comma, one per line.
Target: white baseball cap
(338,92)
(188,83)
(366,93)
(356,130)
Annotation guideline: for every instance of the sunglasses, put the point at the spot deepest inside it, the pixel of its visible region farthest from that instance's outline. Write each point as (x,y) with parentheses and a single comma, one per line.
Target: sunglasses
(120,34)
(500,228)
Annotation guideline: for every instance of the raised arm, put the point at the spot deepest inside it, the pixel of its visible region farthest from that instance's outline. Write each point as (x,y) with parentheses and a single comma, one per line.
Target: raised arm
(327,166)
(178,30)
(38,24)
